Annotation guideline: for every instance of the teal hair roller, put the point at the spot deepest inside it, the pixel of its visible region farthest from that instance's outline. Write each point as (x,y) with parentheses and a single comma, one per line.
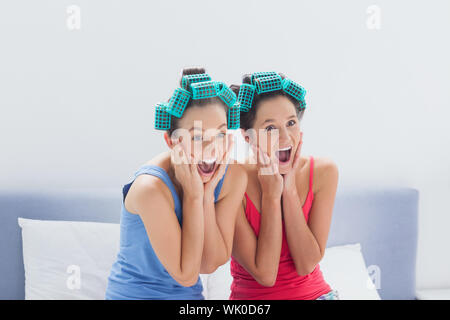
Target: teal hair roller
(245,96)
(178,102)
(226,94)
(267,84)
(257,75)
(203,90)
(194,78)
(234,117)
(162,117)
(296,91)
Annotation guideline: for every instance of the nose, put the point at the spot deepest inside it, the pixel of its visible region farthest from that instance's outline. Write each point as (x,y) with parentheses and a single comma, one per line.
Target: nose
(283,137)
(209,149)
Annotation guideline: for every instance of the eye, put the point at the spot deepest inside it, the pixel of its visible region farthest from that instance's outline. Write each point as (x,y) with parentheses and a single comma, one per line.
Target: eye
(269,128)
(220,135)
(291,123)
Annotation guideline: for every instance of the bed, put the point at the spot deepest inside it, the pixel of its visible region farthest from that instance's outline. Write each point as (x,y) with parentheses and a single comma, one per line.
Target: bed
(382,220)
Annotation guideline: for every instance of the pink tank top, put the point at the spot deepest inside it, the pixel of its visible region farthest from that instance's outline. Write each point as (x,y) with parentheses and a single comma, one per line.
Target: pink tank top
(289,285)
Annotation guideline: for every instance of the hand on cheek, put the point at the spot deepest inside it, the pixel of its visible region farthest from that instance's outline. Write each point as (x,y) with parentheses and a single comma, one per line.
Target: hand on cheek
(289,178)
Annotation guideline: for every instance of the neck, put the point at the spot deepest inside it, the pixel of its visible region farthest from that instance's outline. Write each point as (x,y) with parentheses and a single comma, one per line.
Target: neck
(176,183)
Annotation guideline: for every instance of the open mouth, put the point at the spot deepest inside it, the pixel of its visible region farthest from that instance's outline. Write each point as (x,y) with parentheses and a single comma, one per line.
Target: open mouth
(207,166)
(284,154)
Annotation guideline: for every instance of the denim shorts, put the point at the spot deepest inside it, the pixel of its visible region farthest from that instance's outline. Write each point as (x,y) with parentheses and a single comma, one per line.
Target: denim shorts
(332,295)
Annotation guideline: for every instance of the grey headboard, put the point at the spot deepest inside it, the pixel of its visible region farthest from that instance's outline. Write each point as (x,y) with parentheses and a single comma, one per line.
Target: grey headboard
(384,221)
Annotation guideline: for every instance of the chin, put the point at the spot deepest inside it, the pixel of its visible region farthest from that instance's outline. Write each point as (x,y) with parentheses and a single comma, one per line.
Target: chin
(205,179)
(284,168)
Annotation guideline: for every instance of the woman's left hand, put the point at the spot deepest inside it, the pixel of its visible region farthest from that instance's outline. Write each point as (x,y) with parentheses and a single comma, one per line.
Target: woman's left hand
(211,185)
(289,183)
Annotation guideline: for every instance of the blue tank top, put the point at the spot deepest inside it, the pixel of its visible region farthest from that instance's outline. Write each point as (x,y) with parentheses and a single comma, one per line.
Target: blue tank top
(137,272)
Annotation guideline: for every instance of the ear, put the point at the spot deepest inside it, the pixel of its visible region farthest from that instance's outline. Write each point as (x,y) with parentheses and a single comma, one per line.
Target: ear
(170,143)
(245,135)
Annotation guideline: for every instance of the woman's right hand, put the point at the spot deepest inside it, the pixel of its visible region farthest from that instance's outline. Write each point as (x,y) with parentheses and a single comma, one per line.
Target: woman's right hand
(269,177)
(186,172)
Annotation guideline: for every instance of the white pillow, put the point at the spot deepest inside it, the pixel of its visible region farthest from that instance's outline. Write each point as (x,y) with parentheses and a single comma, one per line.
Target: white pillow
(69,259)
(219,282)
(343,268)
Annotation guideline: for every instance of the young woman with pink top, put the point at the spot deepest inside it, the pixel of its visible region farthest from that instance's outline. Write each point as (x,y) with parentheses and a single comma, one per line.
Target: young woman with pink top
(282,228)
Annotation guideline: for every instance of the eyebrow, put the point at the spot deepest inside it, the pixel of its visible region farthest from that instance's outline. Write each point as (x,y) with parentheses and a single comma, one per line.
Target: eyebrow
(272,120)
(222,125)
(268,120)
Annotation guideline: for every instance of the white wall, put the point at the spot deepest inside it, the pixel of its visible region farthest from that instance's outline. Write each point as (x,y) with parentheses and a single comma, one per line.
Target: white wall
(76,106)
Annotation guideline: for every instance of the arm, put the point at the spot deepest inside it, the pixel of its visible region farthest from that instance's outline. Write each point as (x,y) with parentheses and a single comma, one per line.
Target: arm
(307,242)
(220,219)
(178,249)
(260,256)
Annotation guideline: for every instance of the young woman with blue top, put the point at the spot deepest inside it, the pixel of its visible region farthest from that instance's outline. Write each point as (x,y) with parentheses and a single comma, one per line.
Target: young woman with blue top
(179,211)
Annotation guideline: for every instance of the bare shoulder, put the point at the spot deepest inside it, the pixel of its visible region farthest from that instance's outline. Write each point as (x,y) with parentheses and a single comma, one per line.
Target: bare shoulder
(250,169)
(147,189)
(235,179)
(325,172)
(237,171)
